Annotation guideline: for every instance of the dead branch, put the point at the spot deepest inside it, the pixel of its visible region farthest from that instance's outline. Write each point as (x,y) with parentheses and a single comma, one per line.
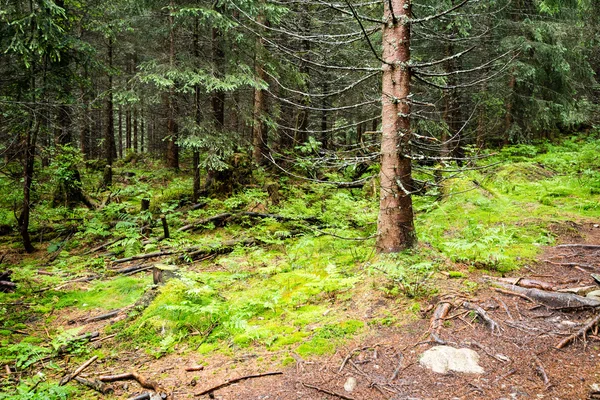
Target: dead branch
(144,256)
(398,368)
(508,292)
(504,306)
(528,283)
(83,366)
(95,384)
(218,220)
(145,383)
(554,300)
(539,367)
(493,325)
(329,392)
(232,381)
(101,317)
(195,368)
(580,246)
(582,332)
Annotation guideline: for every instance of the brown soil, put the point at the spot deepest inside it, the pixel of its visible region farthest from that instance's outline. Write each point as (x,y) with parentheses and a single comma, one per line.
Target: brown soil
(512,359)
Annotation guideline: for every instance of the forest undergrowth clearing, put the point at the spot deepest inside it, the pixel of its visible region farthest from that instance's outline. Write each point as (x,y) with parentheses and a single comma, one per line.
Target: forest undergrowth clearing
(298,300)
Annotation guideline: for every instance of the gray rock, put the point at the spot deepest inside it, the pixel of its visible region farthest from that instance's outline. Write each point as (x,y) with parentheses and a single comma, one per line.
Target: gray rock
(442,359)
(350,384)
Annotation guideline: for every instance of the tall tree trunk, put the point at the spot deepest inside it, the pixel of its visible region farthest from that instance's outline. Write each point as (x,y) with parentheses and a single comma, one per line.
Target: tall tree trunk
(135,129)
(28,163)
(259,127)
(395,225)
(120,132)
(128,107)
(324,123)
(172,129)
(303,116)
(109,129)
(197,118)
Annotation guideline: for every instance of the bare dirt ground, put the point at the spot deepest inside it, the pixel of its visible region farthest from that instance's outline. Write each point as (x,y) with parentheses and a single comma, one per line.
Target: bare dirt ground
(520,362)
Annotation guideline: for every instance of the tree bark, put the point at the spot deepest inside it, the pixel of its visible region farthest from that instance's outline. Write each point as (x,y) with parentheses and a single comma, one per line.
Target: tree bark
(259,128)
(395,224)
(109,129)
(172,129)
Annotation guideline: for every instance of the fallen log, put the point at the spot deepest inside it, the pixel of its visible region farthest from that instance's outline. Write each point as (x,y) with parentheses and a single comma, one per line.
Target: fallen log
(145,383)
(580,333)
(553,300)
(83,366)
(224,248)
(232,381)
(573,264)
(437,321)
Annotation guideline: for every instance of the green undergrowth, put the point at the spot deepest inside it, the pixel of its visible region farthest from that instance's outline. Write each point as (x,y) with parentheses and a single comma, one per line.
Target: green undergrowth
(302,288)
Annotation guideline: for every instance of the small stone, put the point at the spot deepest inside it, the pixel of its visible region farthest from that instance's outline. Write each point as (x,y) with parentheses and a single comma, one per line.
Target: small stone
(350,384)
(595,387)
(569,324)
(442,359)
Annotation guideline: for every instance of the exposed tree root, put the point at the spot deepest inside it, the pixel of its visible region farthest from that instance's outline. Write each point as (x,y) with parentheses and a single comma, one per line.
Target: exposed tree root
(145,383)
(554,300)
(580,333)
(493,325)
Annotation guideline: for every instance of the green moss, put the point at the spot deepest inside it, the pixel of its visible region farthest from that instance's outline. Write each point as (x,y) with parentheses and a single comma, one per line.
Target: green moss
(107,295)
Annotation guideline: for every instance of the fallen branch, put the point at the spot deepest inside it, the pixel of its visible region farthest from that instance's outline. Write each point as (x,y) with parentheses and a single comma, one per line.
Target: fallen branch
(144,256)
(232,381)
(95,384)
(195,368)
(582,332)
(528,283)
(581,246)
(539,367)
(493,325)
(329,392)
(101,317)
(218,220)
(145,383)
(83,366)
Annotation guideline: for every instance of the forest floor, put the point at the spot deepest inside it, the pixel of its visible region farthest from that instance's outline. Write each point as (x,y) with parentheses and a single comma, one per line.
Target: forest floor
(300,315)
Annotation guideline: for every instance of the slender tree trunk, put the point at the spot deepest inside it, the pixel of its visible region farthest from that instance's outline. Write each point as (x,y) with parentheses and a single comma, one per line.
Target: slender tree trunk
(197,118)
(259,128)
(324,123)
(172,129)
(128,107)
(135,129)
(142,129)
(395,225)
(109,129)
(303,116)
(28,163)
(120,132)
(508,119)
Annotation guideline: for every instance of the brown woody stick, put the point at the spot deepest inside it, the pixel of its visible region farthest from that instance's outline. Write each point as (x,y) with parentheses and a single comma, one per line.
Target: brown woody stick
(83,366)
(318,389)
(146,384)
(232,381)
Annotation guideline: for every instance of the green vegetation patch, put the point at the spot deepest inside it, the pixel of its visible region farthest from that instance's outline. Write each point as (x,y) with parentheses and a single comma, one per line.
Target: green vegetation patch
(116,293)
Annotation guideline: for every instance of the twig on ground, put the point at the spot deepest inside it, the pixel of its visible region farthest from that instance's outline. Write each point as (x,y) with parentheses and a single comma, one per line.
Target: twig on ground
(83,366)
(541,371)
(232,381)
(329,392)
